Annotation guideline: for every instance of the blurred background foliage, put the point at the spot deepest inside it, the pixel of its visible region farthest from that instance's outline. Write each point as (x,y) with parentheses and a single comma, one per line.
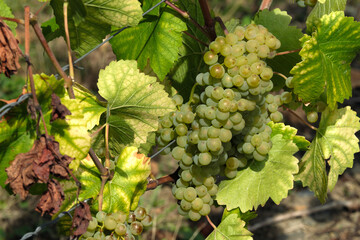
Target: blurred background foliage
(17,218)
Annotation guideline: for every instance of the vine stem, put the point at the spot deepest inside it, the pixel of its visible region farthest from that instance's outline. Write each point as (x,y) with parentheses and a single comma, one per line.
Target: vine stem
(222,25)
(66,26)
(300,118)
(195,38)
(288,52)
(209,22)
(165,179)
(39,34)
(18,21)
(210,222)
(30,73)
(187,16)
(265,4)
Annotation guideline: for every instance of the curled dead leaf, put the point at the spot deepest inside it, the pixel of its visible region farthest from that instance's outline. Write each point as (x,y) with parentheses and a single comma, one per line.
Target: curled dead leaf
(9,51)
(81,219)
(50,202)
(58,109)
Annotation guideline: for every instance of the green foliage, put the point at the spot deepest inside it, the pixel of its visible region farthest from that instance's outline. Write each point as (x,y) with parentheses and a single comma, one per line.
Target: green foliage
(289,133)
(232,228)
(326,58)
(335,143)
(277,22)
(155,41)
(323,8)
(260,180)
(134,102)
(5,11)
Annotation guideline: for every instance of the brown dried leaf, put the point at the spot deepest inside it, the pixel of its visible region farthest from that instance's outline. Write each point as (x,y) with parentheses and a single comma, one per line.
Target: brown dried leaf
(51,200)
(9,51)
(58,109)
(31,109)
(81,219)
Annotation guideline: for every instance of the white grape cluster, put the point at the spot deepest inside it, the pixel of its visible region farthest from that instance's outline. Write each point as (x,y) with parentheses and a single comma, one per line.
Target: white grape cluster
(222,129)
(114,226)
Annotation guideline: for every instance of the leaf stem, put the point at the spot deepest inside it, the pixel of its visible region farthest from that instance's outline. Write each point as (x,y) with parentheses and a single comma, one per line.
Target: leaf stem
(30,73)
(265,4)
(222,25)
(209,21)
(288,52)
(187,16)
(300,118)
(210,222)
(39,34)
(66,26)
(191,100)
(281,75)
(97,162)
(195,38)
(165,179)
(18,21)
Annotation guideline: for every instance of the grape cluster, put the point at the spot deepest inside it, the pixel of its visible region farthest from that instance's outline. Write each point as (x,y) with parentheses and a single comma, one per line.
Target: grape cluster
(111,226)
(224,127)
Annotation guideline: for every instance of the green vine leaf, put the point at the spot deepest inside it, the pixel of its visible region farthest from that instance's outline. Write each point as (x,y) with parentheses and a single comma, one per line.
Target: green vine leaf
(119,13)
(322,8)
(326,58)
(335,143)
(5,11)
(271,178)
(155,39)
(289,133)
(135,101)
(190,62)
(231,228)
(277,22)
(122,192)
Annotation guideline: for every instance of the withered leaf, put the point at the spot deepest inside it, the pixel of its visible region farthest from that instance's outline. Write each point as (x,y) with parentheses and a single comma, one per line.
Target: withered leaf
(9,51)
(81,219)
(50,202)
(58,109)
(31,109)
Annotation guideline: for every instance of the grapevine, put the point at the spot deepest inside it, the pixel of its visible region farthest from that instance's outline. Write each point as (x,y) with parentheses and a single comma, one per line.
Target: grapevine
(213,96)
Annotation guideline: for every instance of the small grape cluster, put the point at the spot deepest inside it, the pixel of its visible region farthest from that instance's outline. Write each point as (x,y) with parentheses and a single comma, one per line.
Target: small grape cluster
(223,128)
(116,226)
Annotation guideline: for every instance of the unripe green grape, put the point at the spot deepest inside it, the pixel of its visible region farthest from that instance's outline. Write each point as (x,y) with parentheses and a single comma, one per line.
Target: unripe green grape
(92,225)
(245,71)
(228,94)
(242,162)
(167,134)
(225,135)
(251,32)
(120,229)
(197,204)
(233,106)
(289,82)
(147,221)
(213,132)
(312,117)
(179,193)
(185,205)
(205,210)
(226,50)
(109,223)
(217,93)
(181,129)
(257,67)
(194,216)
(128,237)
(205,158)
(222,116)
(230,173)
(205,122)
(233,71)
(189,194)
(99,235)
(136,228)
(255,91)
(178,152)
(236,117)
(194,137)
(206,78)
(131,217)
(201,190)
(251,46)
(238,50)
(166,121)
(187,159)
(100,216)
(238,81)
(195,125)
(244,89)
(211,103)
(230,61)
(256,140)
(199,79)
(248,148)
(217,71)
(183,166)
(202,146)
(182,141)
(215,47)
(231,38)
(242,60)
(239,126)
(273,107)
(263,51)
(203,133)
(178,118)
(207,198)
(178,99)
(200,110)
(260,38)
(239,31)
(276,117)
(210,58)
(286,97)
(216,123)
(271,41)
(181,211)
(209,182)
(253,81)
(269,98)
(186,176)
(220,40)
(213,190)
(278,44)
(213,144)
(226,81)
(88,234)
(252,58)
(258,157)
(188,117)
(271,54)
(232,163)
